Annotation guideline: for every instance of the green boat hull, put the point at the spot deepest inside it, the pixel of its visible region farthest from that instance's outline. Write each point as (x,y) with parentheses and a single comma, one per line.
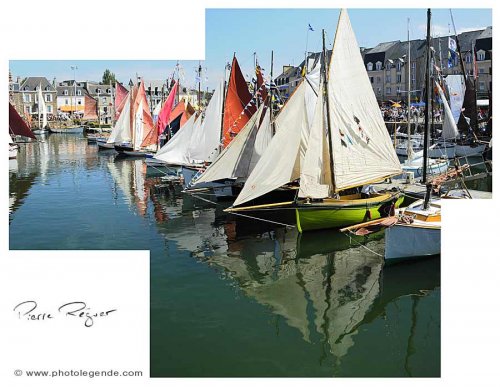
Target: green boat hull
(319,216)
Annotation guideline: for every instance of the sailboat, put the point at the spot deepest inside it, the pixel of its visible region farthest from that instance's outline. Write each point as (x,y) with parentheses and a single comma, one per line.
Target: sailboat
(235,163)
(17,127)
(197,140)
(42,114)
(417,228)
(347,147)
(131,135)
(224,121)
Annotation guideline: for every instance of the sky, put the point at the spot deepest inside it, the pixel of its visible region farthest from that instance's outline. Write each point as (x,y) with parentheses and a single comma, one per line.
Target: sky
(249,31)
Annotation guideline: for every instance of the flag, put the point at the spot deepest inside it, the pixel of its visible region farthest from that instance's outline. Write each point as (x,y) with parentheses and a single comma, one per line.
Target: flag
(310,28)
(452,44)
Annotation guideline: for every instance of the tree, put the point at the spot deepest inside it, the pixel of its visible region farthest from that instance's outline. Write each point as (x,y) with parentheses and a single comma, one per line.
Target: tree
(108,78)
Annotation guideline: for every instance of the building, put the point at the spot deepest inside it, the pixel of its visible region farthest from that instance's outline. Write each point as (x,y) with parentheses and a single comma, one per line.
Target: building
(71,97)
(28,93)
(387,67)
(104,95)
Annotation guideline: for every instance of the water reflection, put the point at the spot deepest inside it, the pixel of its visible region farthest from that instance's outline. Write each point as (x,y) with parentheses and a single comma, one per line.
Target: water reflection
(323,284)
(333,292)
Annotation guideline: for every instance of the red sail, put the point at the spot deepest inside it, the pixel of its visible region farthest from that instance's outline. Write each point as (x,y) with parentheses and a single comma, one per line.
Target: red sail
(183,108)
(120,94)
(150,137)
(239,106)
(166,110)
(90,112)
(17,126)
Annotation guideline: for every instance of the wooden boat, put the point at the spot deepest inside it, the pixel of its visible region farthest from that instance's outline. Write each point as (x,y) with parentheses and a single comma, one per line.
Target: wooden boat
(70,130)
(417,232)
(133,132)
(102,143)
(17,127)
(335,147)
(42,114)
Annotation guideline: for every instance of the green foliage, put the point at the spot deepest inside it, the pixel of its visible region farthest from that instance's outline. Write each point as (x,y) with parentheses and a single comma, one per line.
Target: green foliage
(108,78)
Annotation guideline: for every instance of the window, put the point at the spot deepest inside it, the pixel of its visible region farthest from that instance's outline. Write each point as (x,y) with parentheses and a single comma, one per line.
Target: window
(468,58)
(66,101)
(99,91)
(387,90)
(378,65)
(369,66)
(398,90)
(78,92)
(108,91)
(378,79)
(480,55)
(398,66)
(26,97)
(398,78)
(413,65)
(65,92)
(388,78)
(79,102)
(481,86)
(379,90)
(28,109)
(104,100)
(481,71)
(413,77)
(49,108)
(371,79)
(48,97)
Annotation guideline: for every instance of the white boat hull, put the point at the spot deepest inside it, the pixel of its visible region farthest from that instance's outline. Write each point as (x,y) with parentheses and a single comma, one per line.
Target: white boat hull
(102,144)
(435,167)
(13,152)
(442,151)
(411,241)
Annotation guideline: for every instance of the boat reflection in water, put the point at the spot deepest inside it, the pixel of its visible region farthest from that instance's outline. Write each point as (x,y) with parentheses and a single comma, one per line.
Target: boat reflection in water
(326,285)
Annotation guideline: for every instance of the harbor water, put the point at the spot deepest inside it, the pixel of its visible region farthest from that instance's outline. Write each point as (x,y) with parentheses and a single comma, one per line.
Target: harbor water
(231,296)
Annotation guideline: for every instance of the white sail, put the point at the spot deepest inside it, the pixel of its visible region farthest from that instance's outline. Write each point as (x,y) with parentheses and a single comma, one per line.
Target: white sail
(206,135)
(456,91)
(361,146)
(235,159)
(315,180)
(121,131)
(42,108)
(280,164)
(262,140)
(175,151)
(450,130)
(139,127)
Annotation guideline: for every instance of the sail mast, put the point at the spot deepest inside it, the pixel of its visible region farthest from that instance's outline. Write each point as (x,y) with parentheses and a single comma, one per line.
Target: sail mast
(427,96)
(409,147)
(271,94)
(326,98)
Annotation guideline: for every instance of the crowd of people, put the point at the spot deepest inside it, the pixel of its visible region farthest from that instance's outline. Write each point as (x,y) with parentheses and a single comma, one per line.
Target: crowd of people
(393,112)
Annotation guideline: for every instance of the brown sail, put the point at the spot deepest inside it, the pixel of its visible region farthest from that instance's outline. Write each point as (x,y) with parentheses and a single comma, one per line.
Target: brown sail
(238,107)
(17,126)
